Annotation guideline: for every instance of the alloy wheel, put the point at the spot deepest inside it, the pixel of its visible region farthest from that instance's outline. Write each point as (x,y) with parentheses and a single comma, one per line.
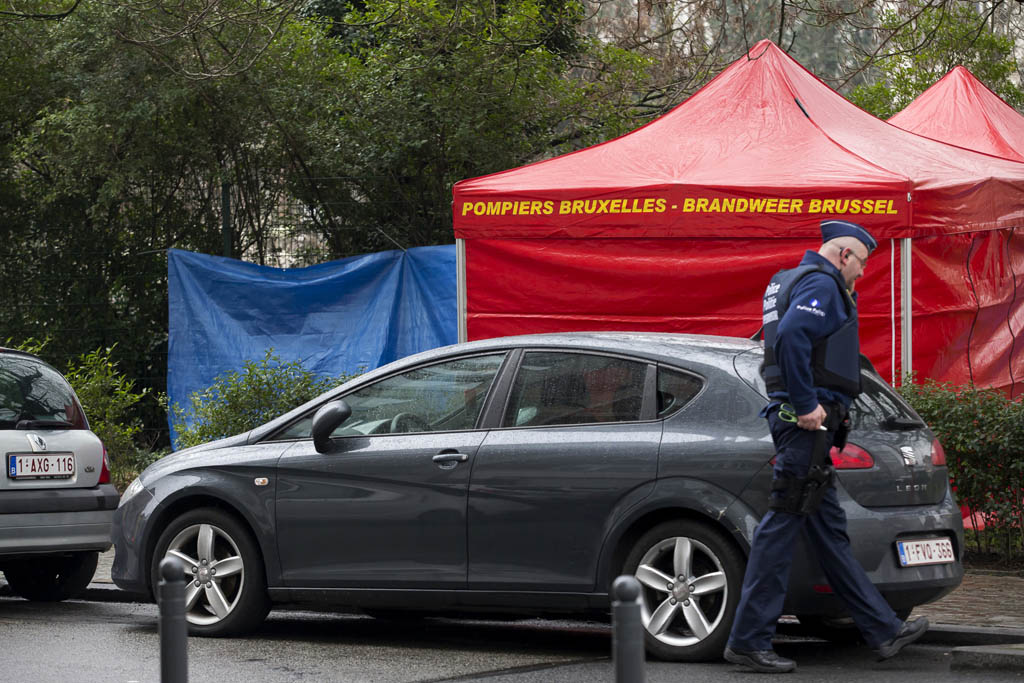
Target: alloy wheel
(214,570)
(685,591)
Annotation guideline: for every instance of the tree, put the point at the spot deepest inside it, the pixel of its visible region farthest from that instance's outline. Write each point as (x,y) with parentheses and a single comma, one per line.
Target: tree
(109,157)
(927,40)
(427,93)
(109,160)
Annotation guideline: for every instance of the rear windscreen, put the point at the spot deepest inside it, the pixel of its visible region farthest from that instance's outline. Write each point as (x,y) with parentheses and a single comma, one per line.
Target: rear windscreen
(33,391)
(878,403)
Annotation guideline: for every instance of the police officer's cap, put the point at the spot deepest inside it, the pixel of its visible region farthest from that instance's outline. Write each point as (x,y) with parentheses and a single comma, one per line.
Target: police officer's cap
(831,229)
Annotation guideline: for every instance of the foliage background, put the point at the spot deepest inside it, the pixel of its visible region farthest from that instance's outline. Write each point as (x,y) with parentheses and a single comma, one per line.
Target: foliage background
(982,433)
(239,401)
(301,131)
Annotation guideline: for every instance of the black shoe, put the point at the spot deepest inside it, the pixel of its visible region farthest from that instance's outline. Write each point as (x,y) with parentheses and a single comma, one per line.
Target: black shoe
(765,661)
(908,633)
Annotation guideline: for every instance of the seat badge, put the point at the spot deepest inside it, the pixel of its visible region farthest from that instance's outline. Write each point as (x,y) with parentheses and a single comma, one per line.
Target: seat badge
(909,459)
(36,442)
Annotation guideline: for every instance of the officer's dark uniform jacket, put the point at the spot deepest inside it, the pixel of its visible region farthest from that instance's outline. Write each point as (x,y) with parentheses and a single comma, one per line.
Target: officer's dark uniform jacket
(808,312)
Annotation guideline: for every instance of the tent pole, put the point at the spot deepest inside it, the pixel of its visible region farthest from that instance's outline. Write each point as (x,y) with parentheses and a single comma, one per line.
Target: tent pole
(892,310)
(460,288)
(906,309)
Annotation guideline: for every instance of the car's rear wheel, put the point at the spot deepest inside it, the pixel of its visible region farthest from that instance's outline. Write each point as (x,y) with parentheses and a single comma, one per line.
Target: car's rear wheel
(691,575)
(226,589)
(51,579)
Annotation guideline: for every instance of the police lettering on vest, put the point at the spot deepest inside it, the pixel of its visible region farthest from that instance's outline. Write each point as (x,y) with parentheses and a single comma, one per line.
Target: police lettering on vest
(835,359)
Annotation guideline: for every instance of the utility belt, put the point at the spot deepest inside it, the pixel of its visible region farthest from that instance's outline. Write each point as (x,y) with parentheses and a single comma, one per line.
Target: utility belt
(803,495)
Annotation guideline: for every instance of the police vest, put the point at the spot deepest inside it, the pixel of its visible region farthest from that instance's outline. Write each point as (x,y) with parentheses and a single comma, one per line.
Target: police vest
(835,359)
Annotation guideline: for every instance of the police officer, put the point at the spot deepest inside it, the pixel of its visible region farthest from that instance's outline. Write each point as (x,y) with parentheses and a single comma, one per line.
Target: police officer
(812,372)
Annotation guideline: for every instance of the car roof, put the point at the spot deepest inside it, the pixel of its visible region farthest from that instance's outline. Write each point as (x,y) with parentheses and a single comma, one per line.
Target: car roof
(669,339)
(666,344)
(696,349)
(18,352)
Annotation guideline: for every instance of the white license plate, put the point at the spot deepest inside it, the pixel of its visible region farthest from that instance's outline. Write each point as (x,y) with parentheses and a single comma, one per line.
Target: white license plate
(40,466)
(925,551)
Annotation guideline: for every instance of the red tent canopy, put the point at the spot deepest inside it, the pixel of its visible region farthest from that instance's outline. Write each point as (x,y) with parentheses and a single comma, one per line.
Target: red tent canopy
(764,129)
(985,272)
(961,110)
(678,225)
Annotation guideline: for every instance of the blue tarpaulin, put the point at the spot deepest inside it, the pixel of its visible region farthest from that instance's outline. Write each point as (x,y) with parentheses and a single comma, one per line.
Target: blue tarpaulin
(345,316)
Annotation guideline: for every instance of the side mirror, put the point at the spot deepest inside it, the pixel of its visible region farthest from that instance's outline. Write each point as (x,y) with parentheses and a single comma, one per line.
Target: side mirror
(325,421)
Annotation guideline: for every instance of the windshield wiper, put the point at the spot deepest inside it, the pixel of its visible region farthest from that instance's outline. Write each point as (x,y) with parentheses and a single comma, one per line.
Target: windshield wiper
(895,423)
(43,424)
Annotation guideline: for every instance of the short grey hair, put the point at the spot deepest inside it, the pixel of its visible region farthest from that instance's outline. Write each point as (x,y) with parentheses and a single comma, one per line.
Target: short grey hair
(844,242)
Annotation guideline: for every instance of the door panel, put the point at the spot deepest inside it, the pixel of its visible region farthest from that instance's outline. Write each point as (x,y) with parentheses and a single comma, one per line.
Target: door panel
(540,500)
(387,506)
(573,447)
(381,513)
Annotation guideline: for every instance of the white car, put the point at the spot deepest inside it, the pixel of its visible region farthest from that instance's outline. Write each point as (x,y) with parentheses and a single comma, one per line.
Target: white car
(56,499)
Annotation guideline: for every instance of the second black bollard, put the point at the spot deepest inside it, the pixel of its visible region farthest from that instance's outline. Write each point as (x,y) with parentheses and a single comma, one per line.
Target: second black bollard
(627,632)
(173,628)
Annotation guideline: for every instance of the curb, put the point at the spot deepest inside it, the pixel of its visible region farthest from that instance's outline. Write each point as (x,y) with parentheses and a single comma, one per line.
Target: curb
(987,657)
(972,636)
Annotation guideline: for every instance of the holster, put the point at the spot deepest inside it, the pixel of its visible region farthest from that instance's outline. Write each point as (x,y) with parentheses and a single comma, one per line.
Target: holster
(842,431)
(803,495)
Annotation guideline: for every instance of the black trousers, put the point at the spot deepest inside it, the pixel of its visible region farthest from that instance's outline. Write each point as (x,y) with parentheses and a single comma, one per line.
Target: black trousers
(771,555)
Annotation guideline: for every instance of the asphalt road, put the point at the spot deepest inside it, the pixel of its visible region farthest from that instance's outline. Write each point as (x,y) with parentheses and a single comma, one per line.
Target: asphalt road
(87,642)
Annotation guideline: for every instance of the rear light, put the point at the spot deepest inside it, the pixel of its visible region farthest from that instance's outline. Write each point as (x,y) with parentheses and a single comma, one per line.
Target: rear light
(852,457)
(938,454)
(105,469)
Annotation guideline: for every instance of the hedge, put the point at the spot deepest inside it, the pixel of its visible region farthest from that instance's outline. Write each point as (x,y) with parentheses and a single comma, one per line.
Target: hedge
(982,433)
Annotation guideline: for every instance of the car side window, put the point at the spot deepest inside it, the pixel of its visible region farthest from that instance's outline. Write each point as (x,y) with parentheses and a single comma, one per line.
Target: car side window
(675,390)
(442,397)
(555,388)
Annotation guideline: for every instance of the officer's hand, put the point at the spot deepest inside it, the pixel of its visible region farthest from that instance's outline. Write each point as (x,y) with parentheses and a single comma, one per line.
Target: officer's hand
(811,420)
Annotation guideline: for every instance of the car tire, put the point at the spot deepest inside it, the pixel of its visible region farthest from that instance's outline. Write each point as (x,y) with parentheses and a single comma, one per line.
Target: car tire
(52,579)
(233,602)
(686,627)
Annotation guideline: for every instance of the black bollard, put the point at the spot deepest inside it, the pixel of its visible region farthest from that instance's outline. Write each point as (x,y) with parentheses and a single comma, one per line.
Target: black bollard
(627,631)
(172,626)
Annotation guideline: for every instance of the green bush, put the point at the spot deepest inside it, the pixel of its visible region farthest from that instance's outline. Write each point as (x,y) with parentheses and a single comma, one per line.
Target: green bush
(982,433)
(109,399)
(240,401)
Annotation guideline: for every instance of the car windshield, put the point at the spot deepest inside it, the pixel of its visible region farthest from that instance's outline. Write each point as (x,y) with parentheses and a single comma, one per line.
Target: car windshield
(32,394)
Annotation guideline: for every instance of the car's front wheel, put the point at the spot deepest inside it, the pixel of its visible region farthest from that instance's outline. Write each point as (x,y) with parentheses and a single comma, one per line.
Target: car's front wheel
(226,589)
(691,576)
(51,579)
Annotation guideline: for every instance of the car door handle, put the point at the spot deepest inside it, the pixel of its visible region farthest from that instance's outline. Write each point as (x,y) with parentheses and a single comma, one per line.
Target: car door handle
(450,458)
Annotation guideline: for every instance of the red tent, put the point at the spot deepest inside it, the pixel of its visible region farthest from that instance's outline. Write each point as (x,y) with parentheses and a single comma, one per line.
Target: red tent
(960,110)
(678,225)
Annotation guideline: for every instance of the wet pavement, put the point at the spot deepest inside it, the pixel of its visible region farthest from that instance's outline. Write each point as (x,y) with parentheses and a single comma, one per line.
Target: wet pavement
(984,616)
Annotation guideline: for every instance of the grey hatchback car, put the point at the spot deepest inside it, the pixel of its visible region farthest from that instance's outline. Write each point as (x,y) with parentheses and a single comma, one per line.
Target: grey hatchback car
(56,499)
(524,474)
